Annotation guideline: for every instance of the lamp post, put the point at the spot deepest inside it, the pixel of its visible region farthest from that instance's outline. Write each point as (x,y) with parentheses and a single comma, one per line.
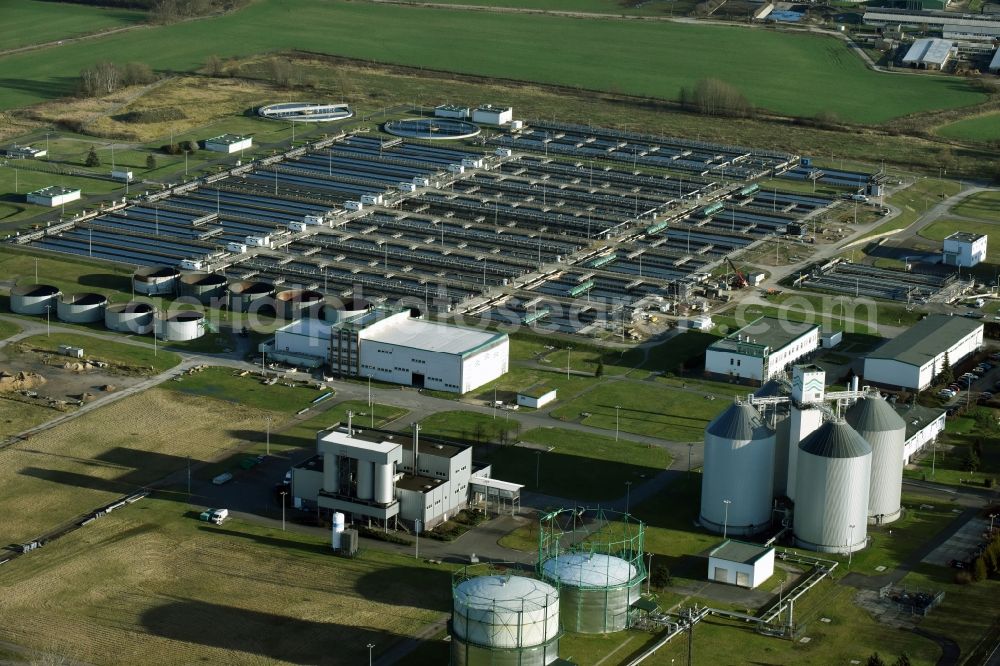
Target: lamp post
(649,572)
(283,493)
(538,465)
(617,411)
(48,327)
(370,646)
(568,350)
(628,494)
(992,516)
(725,521)
(690,448)
(268,419)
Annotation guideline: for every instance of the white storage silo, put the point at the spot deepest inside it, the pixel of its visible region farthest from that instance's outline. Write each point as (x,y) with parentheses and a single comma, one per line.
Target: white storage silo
(179,326)
(133,317)
(831,509)
(595,590)
(880,425)
(33,299)
(85,308)
(738,478)
(155,280)
(501,619)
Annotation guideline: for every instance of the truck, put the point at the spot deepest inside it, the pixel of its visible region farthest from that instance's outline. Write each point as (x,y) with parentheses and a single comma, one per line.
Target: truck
(216,516)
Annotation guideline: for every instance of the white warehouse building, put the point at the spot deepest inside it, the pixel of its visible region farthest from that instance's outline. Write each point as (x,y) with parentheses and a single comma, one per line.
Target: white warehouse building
(912,359)
(761,349)
(492,115)
(963,249)
(388,478)
(739,563)
(392,346)
(229,143)
(53,196)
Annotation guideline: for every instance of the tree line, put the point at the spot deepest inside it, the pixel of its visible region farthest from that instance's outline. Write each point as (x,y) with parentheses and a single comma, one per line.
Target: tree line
(104,78)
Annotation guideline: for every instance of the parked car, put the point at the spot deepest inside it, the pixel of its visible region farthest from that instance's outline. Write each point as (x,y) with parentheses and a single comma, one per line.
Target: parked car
(216,516)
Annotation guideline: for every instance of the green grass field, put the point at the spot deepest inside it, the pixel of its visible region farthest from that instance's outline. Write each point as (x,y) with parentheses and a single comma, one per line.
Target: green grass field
(28,22)
(650,8)
(984,205)
(15,183)
(223,384)
(578,466)
(796,74)
(17,416)
(977,129)
(8,328)
(646,409)
(132,359)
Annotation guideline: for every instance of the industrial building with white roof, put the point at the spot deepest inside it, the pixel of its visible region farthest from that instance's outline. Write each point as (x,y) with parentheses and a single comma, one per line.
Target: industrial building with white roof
(914,358)
(929,53)
(761,349)
(393,346)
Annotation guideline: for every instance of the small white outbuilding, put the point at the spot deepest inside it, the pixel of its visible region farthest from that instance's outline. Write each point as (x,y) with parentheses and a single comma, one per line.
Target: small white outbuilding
(740,563)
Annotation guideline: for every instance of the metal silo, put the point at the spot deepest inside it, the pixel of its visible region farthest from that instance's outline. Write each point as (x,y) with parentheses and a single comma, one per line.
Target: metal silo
(247,295)
(206,287)
(777,418)
(501,620)
(595,558)
(885,431)
(293,304)
(738,480)
(336,310)
(33,299)
(831,509)
(133,317)
(179,326)
(81,308)
(155,280)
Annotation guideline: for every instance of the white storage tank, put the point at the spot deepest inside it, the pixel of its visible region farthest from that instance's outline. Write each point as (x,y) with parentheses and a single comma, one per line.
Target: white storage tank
(81,308)
(248,295)
(738,478)
(133,317)
(293,304)
(33,299)
(503,619)
(155,280)
(179,326)
(879,424)
(595,590)
(336,310)
(831,509)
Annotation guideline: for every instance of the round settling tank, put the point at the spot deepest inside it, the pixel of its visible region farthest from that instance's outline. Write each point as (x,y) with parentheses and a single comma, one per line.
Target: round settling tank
(133,317)
(738,478)
(335,310)
(179,326)
(501,619)
(831,507)
(879,424)
(81,308)
(293,304)
(595,591)
(243,295)
(33,299)
(155,280)
(206,287)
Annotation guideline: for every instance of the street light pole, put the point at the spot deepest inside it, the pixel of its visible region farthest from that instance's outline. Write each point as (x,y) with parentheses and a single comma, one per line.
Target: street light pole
(850,545)
(283,493)
(649,572)
(617,410)
(268,434)
(568,350)
(690,448)
(628,494)
(538,465)
(725,522)
(48,327)
(370,646)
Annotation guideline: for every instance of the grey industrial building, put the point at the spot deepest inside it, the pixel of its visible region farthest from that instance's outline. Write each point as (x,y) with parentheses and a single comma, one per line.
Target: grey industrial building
(915,357)
(952,25)
(929,53)
(387,478)
(761,349)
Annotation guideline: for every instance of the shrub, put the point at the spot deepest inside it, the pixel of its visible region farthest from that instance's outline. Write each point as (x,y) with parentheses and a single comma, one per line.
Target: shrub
(92,159)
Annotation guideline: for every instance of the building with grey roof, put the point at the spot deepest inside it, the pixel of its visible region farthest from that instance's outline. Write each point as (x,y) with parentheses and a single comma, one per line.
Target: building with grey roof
(952,25)
(929,53)
(761,349)
(913,359)
(740,563)
(964,249)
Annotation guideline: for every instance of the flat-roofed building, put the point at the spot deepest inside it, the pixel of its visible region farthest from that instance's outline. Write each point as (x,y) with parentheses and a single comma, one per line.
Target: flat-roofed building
(392,346)
(492,115)
(929,53)
(739,563)
(53,196)
(229,143)
(923,425)
(761,349)
(915,357)
(951,24)
(964,249)
(389,477)
(25,152)
(452,111)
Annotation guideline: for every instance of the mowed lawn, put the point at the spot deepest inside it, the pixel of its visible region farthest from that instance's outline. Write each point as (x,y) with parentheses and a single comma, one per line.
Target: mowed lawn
(35,22)
(151,584)
(133,359)
(984,205)
(78,466)
(646,408)
(796,74)
(978,128)
(8,329)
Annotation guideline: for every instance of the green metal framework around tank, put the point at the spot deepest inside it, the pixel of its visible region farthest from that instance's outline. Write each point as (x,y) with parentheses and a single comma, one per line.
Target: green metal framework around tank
(602,551)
